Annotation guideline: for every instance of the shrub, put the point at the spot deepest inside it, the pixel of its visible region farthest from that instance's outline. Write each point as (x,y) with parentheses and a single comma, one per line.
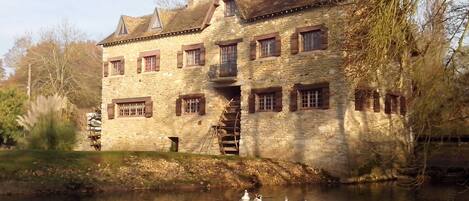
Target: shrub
(48,124)
(11,105)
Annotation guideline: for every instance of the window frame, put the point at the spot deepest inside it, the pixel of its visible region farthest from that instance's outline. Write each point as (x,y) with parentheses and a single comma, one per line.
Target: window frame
(230,8)
(133,105)
(152,67)
(197,49)
(117,60)
(313,39)
(181,104)
(254,99)
(188,103)
(319,98)
(143,61)
(296,103)
(263,97)
(147,106)
(271,46)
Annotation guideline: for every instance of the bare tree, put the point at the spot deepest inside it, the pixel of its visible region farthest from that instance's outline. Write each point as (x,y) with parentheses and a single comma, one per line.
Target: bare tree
(18,51)
(2,70)
(170,4)
(63,63)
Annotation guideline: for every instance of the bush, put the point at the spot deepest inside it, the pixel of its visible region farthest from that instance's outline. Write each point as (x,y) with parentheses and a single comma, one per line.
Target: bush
(11,105)
(48,124)
(51,133)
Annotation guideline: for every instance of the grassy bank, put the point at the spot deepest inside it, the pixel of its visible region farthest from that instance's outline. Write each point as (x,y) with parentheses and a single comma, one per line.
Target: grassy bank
(29,172)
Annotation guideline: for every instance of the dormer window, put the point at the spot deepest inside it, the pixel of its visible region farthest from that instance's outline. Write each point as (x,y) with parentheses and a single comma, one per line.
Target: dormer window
(122,30)
(156,24)
(230,8)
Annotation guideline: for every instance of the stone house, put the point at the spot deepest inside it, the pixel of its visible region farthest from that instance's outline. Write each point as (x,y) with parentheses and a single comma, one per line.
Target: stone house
(259,78)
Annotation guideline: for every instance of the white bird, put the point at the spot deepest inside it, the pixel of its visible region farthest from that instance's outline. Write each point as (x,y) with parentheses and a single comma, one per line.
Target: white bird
(258,198)
(245,196)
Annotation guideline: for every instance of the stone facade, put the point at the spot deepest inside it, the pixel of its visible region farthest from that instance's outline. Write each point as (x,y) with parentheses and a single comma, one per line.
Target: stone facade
(335,139)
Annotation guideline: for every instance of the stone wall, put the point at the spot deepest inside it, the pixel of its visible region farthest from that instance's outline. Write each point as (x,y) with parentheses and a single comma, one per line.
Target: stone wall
(323,138)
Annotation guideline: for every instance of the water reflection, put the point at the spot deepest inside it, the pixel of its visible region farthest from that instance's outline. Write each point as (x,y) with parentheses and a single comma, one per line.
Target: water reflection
(369,192)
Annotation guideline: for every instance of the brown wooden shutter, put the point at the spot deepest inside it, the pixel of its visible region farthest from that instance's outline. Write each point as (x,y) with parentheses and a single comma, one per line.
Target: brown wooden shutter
(202,105)
(278,46)
(325,96)
(139,65)
(359,100)
(148,109)
(403,104)
(253,50)
(157,62)
(252,102)
(106,69)
(376,102)
(122,72)
(294,43)
(278,100)
(110,111)
(202,56)
(387,104)
(178,106)
(294,99)
(180,59)
(324,38)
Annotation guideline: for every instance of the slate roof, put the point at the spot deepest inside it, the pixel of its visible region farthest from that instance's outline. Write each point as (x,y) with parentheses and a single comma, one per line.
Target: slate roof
(194,18)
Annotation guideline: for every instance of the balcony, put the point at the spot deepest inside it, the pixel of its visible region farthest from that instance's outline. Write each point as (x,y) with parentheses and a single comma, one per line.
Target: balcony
(223,73)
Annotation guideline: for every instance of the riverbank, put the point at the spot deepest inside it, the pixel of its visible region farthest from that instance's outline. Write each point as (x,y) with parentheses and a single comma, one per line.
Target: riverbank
(45,172)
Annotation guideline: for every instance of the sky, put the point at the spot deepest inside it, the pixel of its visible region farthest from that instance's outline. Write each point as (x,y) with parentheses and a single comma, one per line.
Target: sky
(96,18)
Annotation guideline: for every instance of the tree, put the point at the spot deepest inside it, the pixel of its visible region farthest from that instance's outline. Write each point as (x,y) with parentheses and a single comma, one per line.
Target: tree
(2,70)
(11,105)
(62,63)
(414,45)
(18,51)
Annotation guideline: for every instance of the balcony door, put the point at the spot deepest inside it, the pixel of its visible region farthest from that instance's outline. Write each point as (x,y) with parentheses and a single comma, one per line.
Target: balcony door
(229,56)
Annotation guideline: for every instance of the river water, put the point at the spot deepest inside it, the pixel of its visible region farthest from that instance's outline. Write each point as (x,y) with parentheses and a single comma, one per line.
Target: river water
(366,192)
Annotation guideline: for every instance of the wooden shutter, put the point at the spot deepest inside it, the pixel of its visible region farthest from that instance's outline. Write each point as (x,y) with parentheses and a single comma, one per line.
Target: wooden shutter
(294,99)
(324,38)
(178,106)
(202,105)
(110,111)
(148,109)
(122,72)
(278,46)
(180,59)
(325,96)
(157,62)
(253,50)
(387,104)
(278,100)
(106,69)
(202,56)
(139,65)
(294,43)
(376,103)
(359,100)
(403,104)
(252,102)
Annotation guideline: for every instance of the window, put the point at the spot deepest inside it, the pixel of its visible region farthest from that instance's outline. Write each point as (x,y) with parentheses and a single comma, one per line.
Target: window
(193,57)
(311,98)
(230,9)
(117,67)
(228,54)
(150,63)
(391,104)
(267,47)
(191,105)
(136,109)
(366,99)
(266,101)
(311,40)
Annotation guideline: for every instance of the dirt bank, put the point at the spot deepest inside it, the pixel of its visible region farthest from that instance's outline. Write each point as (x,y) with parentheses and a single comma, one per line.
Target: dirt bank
(31,172)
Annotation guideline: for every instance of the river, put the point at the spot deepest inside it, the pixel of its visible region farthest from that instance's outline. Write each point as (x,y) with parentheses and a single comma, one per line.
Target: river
(365,192)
